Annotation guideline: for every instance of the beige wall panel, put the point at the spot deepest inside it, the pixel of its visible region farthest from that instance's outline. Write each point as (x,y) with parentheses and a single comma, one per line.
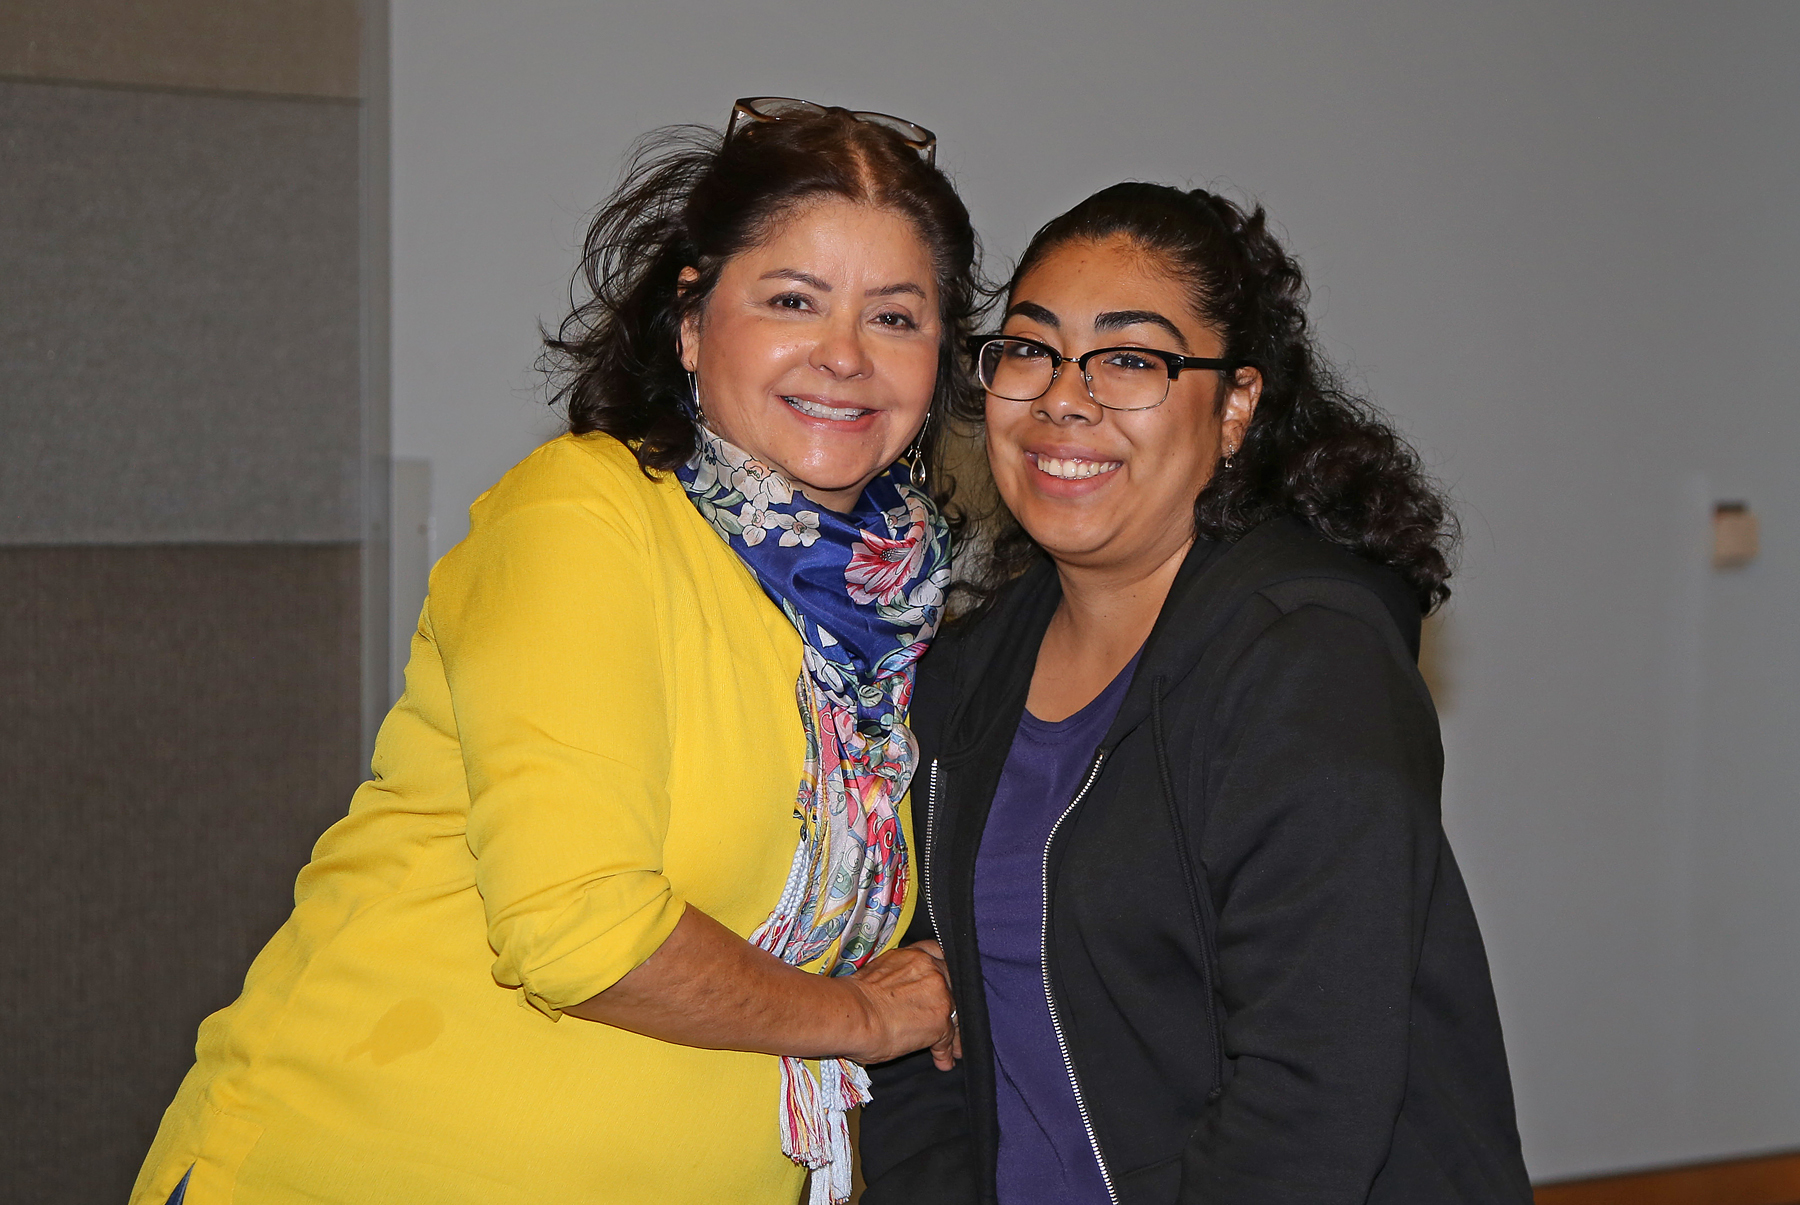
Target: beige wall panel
(289,47)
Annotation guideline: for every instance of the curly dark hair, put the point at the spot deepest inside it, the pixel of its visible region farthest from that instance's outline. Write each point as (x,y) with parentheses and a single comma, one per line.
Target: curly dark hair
(1313,449)
(692,198)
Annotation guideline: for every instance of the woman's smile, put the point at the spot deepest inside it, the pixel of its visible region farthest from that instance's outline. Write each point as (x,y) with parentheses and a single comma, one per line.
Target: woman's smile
(1071,464)
(819,408)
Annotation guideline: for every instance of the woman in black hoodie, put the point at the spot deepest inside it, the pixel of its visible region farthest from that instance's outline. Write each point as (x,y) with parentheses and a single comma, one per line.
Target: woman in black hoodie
(1182,846)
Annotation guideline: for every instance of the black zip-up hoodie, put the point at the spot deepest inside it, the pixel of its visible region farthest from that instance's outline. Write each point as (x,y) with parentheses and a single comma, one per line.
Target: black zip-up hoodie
(1259,952)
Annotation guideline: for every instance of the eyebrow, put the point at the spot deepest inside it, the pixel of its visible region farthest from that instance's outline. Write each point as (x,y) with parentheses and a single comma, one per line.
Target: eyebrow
(805,278)
(1114,320)
(907,287)
(1035,312)
(1109,320)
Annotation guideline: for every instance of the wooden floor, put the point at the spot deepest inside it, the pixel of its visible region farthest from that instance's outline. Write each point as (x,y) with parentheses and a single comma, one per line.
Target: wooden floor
(1767,1180)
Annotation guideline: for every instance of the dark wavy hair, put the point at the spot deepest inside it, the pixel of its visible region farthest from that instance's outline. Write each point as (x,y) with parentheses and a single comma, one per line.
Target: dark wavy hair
(691,198)
(1313,450)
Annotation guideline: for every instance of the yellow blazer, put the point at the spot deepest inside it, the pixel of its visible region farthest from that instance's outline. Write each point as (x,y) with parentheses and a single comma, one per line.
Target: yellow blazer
(599,727)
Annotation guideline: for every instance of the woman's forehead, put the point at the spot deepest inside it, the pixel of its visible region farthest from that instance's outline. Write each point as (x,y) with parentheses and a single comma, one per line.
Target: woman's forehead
(1081,280)
(843,229)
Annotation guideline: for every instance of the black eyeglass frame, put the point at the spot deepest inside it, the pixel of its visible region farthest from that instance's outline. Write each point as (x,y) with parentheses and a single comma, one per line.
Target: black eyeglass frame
(910,133)
(1176,362)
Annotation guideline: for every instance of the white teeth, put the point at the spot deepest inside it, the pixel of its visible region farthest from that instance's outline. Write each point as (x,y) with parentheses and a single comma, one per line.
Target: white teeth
(815,410)
(1075,470)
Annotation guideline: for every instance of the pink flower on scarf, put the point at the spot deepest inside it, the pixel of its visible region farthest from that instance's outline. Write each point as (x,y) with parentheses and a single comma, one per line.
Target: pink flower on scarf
(880,568)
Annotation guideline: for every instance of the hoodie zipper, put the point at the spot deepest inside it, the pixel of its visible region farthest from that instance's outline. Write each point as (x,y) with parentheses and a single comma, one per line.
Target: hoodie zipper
(1062,1041)
(925,854)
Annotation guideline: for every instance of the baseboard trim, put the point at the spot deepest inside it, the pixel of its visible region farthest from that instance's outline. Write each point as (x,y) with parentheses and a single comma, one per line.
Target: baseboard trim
(1764,1180)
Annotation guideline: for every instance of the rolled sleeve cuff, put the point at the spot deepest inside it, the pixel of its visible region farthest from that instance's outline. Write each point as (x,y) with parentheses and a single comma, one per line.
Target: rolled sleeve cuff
(571,972)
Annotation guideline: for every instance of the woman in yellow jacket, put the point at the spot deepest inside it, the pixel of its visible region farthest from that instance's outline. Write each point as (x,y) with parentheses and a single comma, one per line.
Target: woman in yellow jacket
(612,921)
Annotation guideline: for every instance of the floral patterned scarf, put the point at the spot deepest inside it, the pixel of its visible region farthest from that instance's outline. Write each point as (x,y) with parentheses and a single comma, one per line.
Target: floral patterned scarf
(866,592)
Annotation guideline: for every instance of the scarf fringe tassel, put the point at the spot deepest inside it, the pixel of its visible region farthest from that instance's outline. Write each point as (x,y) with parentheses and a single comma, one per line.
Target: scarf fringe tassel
(815,1124)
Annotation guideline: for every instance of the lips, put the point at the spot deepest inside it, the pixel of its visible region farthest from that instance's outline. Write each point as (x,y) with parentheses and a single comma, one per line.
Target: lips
(815,408)
(1071,468)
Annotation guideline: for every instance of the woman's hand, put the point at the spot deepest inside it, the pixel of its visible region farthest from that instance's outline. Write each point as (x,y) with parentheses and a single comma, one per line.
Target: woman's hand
(906,993)
(946,1053)
(706,986)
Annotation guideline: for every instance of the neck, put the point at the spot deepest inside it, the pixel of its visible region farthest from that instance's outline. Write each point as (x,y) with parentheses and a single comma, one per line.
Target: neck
(1111,609)
(841,501)
(1105,616)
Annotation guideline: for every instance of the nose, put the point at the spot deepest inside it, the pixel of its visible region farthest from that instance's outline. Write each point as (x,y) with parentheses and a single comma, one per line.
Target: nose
(1067,400)
(840,350)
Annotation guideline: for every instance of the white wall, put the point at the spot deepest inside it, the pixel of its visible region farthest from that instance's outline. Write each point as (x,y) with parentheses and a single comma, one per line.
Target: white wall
(1557,241)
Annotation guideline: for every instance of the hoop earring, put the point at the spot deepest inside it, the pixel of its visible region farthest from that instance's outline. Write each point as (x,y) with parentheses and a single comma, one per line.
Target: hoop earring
(697,414)
(916,454)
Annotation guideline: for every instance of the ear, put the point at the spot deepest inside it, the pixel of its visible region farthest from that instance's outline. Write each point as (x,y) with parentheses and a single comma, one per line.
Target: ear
(687,339)
(1240,408)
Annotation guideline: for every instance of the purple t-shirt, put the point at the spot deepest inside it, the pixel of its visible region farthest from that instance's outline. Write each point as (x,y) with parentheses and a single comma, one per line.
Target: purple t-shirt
(1045,1155)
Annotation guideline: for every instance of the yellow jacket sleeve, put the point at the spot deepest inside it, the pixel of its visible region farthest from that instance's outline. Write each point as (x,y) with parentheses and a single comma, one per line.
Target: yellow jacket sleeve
(547,628)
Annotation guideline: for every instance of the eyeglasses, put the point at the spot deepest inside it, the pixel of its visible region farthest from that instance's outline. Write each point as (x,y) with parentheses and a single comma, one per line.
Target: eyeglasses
(759,109)
(1117,378)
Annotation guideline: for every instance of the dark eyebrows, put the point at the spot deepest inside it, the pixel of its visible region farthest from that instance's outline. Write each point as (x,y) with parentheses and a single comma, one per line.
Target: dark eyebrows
(1109,320)
(1117,320)
(1035,312)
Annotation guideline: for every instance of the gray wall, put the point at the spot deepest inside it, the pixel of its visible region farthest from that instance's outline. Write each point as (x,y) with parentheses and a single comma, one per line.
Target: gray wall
(193,451)
(178,317)
(1558,242)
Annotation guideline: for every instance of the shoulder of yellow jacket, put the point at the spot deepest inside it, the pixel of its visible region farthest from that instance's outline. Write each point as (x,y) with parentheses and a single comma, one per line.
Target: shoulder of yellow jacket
(594,472)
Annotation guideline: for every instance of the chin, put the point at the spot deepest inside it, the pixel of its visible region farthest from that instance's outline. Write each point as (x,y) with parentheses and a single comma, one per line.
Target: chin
(831,473)
(1069,541)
